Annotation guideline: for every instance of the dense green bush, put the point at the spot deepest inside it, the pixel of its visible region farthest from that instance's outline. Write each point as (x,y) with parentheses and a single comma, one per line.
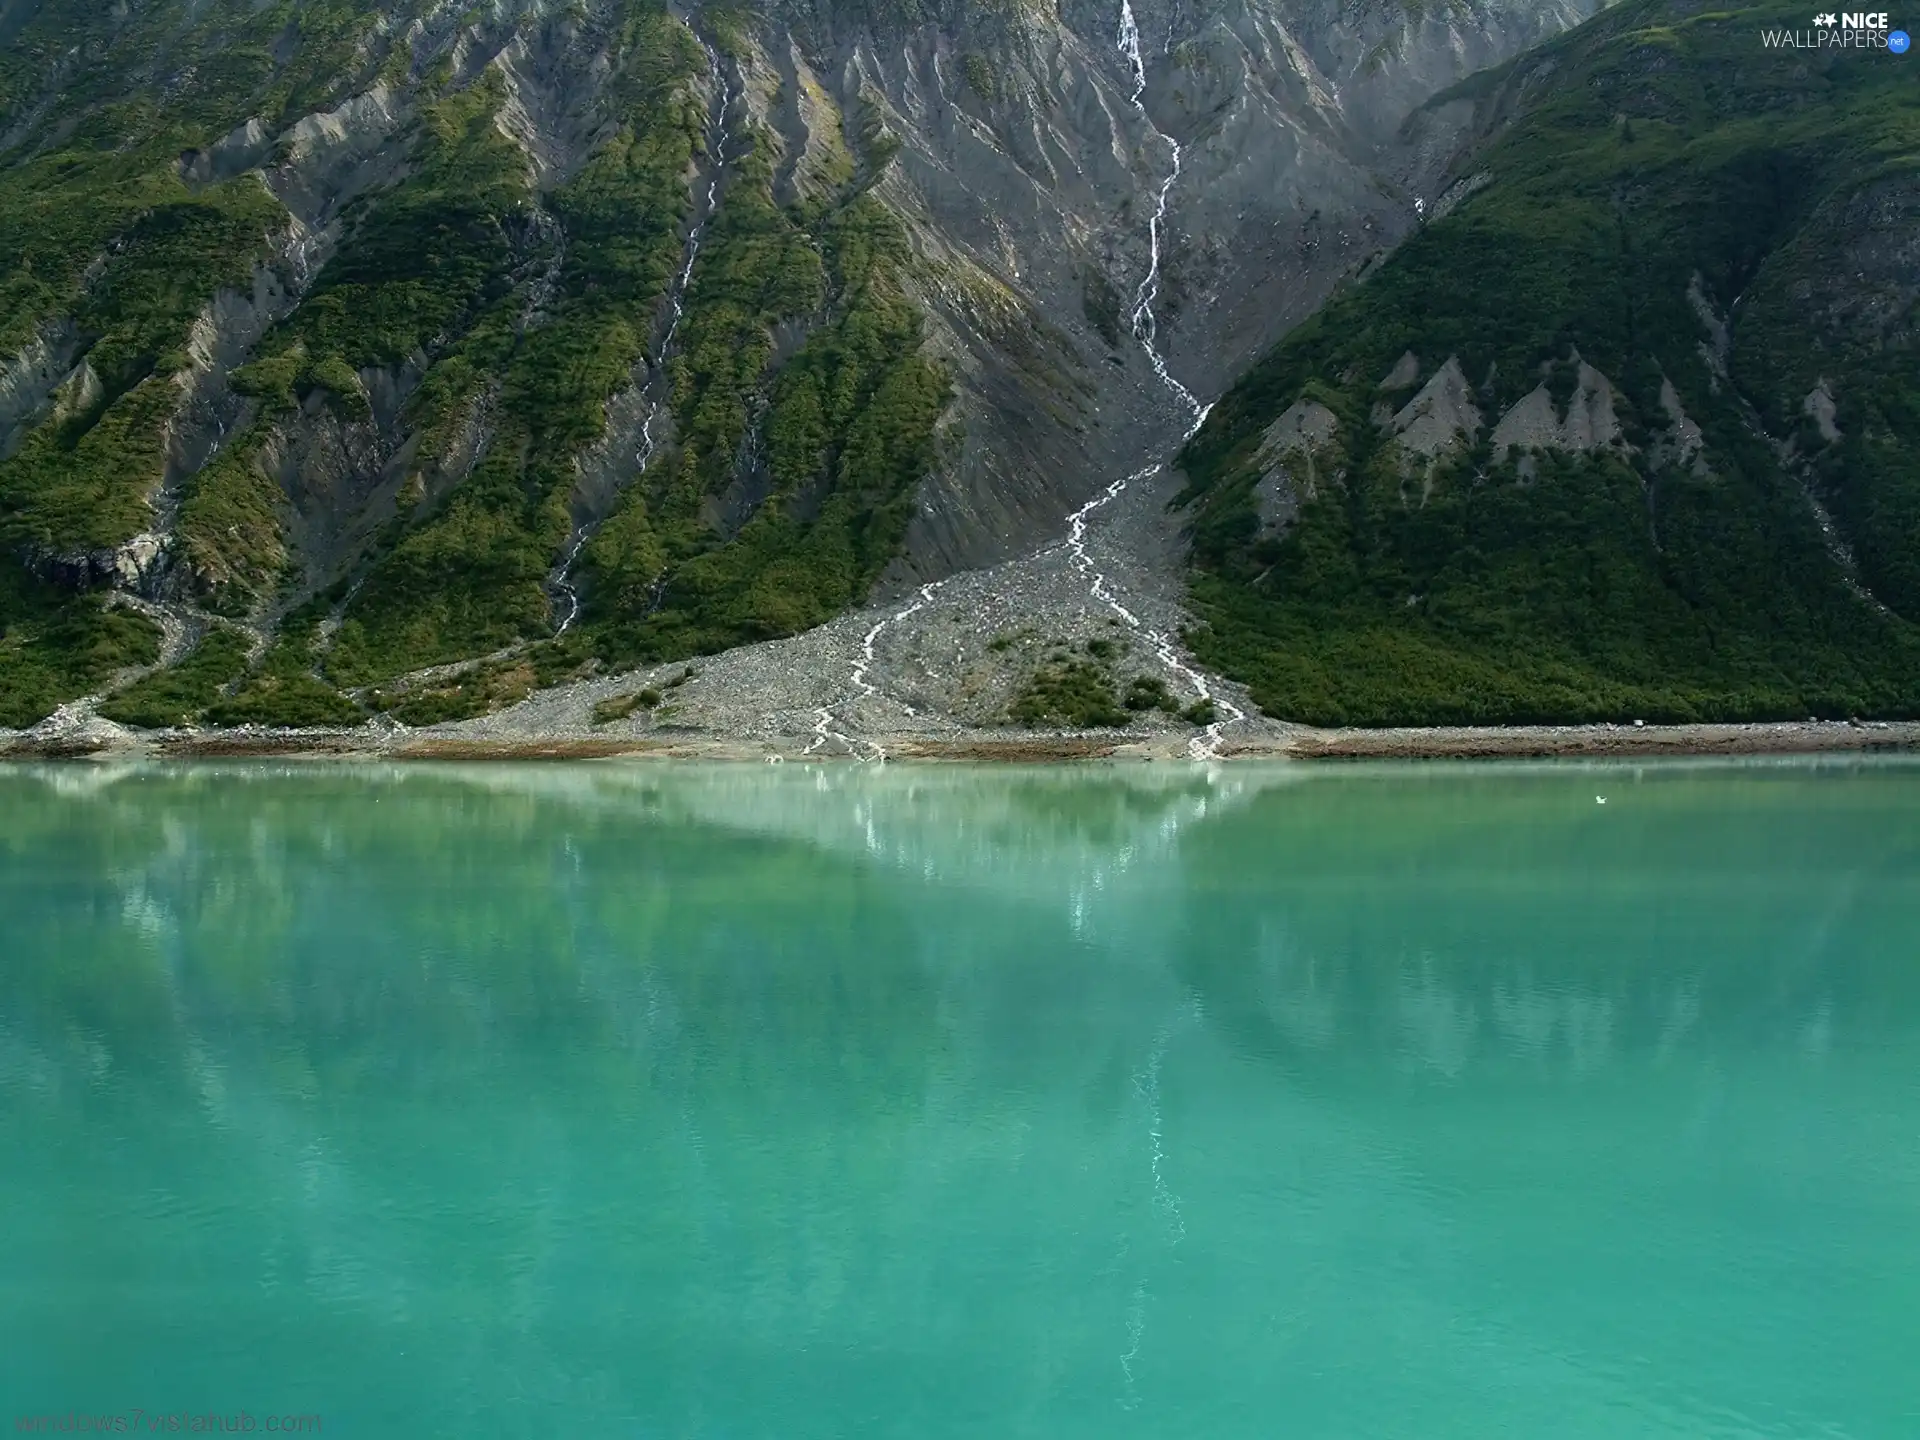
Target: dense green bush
(1149,692)
(55,645)
(181,694)
(283,689)
(1066,692)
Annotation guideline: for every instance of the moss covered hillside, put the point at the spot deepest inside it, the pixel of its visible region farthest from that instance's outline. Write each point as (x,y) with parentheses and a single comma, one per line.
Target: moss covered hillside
(340,339)
(1629,429)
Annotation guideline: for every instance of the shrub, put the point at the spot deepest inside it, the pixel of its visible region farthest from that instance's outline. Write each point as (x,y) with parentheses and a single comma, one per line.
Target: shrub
(1149,692)
(181,694)
(619,707)
(1074,693)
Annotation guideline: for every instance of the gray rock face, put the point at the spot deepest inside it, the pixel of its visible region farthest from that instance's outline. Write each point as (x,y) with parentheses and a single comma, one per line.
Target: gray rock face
(1258,150)
(1819,406)
(136,567)
(1683,443)
(1404,375)
(1026,165)
(1589,424)
(1869,295)
(1026,175)
(1440,417)
(28,379)
(329,158)
(1293,463)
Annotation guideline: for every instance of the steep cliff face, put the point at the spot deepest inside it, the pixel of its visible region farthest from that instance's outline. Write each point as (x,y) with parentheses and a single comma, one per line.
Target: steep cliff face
(1035,148)
(421,331)
(1628,430)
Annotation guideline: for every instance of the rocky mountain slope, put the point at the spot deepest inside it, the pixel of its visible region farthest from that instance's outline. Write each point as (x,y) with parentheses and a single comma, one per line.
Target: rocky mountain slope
(403,357)
(1627,430)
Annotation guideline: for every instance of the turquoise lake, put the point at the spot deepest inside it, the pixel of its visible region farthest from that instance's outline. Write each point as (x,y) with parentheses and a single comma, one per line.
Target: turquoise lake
(765,1101)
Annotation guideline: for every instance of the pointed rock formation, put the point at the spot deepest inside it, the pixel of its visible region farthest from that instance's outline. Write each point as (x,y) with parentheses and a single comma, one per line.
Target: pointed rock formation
(1292,450)
(1441,416)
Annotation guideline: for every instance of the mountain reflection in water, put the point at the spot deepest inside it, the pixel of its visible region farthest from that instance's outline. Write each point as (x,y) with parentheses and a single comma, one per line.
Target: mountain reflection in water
(940,1100)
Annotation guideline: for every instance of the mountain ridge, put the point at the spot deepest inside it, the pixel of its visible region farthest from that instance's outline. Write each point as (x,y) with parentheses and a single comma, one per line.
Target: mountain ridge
(1626,433)
(404,363)
(340,330)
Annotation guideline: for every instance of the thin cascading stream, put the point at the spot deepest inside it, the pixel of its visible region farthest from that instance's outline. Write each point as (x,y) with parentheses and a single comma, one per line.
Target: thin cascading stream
(1130,48)
(862,667)
(1145,326)
(1145,333)
(566,592)
(1147,1084)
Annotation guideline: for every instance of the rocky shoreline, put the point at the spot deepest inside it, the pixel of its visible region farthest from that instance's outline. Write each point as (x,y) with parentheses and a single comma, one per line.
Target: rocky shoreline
(97,739)
(1800,737)
(930,675)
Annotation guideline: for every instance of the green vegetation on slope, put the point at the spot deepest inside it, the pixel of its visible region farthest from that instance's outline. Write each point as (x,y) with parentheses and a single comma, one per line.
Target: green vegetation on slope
(471,577)
(181,694)
(82,480)
(429,253)
(848,431)
(230,531)
(285,688)
(1621,582)
(101,230)
(109,185)
(54,646)
(491,308)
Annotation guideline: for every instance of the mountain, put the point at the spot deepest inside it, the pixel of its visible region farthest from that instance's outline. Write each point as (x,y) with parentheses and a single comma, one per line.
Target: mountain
(342,340)
(1627,430)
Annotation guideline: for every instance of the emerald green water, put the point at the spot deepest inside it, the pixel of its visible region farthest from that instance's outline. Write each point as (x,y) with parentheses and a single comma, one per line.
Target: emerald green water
(767,1102)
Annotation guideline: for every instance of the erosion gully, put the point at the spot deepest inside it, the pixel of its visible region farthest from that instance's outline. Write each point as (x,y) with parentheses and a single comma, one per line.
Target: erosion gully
(653,382)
